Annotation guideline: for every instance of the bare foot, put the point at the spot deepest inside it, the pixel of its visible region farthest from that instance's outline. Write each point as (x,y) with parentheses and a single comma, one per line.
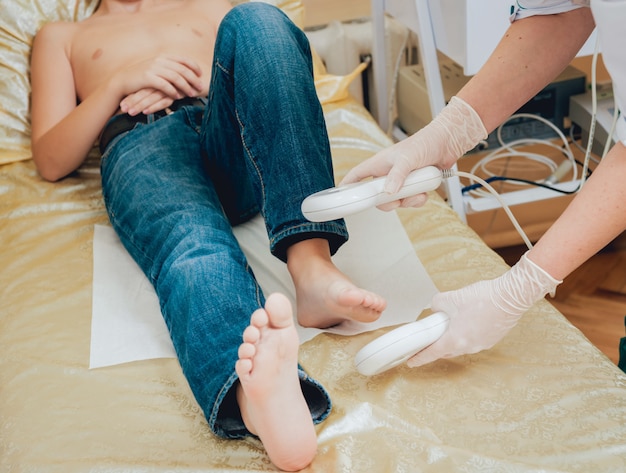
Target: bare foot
(269,394)
(325,295)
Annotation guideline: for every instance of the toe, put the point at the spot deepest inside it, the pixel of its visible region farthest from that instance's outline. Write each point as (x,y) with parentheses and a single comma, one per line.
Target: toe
(243,367)
(259,319)
(246,350)
(279,310)
(251,334)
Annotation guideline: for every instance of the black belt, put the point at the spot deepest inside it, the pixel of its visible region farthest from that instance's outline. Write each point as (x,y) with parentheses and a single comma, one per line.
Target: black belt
(124,122)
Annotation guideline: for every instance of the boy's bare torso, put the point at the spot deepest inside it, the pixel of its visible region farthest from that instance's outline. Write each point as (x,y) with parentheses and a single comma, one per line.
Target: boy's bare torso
(107,42)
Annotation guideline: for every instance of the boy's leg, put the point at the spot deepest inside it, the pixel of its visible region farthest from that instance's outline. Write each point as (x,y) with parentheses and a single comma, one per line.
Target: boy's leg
(169,218)
(264,121)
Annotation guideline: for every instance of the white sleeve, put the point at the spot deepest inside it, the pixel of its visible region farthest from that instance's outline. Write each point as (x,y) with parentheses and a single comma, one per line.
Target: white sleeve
(525,8)
(609,16)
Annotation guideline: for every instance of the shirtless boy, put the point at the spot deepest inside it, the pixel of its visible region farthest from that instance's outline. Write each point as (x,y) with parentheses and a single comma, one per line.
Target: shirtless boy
(207,115)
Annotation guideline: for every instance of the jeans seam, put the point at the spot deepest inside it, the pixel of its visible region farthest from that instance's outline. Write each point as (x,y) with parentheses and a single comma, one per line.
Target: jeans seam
(250,157)
(218,402)
(307,227)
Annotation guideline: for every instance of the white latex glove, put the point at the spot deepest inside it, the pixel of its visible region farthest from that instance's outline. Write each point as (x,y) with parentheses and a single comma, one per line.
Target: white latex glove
(452,133)
(482,313)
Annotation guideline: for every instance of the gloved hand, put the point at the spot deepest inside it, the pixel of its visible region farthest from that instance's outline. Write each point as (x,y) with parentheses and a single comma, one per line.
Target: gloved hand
(456,130)
(482,313)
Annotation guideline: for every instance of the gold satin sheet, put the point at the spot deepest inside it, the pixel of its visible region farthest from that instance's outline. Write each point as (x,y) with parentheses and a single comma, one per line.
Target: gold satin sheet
(543,400)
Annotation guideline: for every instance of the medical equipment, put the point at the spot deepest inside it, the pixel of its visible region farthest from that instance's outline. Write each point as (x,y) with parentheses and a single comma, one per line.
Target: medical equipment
(337,202)
(400,344)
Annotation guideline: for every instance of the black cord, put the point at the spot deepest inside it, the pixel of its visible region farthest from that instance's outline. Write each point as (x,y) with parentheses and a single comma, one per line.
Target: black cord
(525,181)
(514,179)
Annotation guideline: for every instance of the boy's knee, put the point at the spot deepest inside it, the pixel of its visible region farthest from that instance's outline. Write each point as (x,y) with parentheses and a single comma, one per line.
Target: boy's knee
(259,17)
(257,11)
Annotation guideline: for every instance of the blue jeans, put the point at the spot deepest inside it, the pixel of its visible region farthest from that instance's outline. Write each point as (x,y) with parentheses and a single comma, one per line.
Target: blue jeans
(175,186)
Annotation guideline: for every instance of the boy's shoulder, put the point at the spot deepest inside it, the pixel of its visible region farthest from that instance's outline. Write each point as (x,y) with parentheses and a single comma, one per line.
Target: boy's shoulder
(56,31)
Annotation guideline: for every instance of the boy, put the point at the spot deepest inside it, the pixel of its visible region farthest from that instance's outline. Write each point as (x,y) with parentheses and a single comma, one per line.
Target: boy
(206,116)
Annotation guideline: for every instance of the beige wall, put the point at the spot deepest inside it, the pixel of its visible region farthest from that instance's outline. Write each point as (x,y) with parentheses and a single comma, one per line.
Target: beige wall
(320,12)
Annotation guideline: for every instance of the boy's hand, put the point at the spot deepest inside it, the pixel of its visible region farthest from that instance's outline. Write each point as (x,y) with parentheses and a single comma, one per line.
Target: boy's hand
(154,84)
(145,101)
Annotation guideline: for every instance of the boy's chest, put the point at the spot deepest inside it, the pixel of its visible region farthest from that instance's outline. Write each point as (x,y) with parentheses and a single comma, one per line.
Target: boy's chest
(107,46)
(127,36)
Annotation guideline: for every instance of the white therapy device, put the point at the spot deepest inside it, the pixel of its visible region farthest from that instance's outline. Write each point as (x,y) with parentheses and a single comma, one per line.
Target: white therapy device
(400,344)
(338,202)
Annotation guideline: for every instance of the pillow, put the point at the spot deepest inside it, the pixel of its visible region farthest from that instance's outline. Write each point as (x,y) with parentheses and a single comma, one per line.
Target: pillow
(19,22)
(330,87)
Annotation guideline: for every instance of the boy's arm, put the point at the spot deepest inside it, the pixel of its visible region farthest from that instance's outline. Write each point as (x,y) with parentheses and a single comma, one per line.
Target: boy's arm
(63,132)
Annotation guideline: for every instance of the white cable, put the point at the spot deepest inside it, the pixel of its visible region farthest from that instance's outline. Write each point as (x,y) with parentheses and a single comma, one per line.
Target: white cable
(580,147)
(594,113)
(574,142)
(609,138)
(394,82)
(447,173)
(508,150)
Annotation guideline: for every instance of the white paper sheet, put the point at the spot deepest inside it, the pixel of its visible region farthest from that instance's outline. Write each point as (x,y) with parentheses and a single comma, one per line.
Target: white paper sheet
(126,320)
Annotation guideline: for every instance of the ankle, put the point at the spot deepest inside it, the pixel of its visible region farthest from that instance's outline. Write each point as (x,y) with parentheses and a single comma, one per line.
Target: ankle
(301,255)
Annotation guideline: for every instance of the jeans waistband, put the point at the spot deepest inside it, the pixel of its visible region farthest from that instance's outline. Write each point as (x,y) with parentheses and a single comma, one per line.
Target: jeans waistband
(124,122)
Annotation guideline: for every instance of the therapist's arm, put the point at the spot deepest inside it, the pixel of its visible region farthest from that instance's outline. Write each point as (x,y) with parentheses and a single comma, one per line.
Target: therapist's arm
(531,54)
